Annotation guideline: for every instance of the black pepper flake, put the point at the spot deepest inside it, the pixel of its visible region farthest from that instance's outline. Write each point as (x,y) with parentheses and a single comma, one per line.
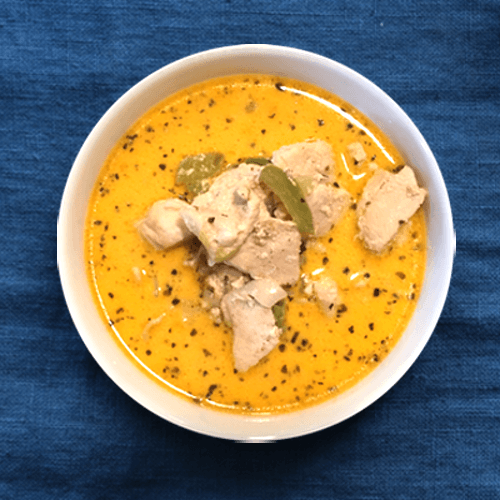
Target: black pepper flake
(347,359)
(168,290)
(349,126)
(148,352)
(294,338)
(229,120)
(280,87)
(174,272)
(330,240)
(371,326)
(321,123)
(351,329)
(376,292)
(366,275)
(175,301)
(325,260)
(346,270)
(411,296)
(111,295)
(336,184)
(211,390)
(292,126)
(120,310)
(282,347)
(304,342)
(354,206)
(97,222)
(211,220)
(401,275)
(274,389)
(263,131)
(206,352)
(284,369)
(398,169)
(162,166)
(211,103)
(342,309)
(272,116)
(193,332)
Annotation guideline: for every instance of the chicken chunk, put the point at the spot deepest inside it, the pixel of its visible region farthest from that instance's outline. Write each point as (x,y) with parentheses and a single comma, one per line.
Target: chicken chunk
(388,201)
(224,216)
(357,152)
(221,280)
(254,326)
(327,204)
(163,227)
(325,291)
(272,249)
(327,294)
(266,291)
(307,162)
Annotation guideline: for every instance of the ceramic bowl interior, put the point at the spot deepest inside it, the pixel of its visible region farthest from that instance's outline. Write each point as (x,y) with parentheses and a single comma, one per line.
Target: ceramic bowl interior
(283,61)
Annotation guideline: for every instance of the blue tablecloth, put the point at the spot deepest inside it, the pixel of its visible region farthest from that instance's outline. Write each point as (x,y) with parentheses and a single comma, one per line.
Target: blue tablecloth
(66,431)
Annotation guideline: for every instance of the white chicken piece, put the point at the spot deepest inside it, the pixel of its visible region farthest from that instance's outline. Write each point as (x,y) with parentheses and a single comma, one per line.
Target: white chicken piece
(387,202)
(163,227)
(327,205)
(254,325)
(307,162)
(223,217)
(327,294)
(272,249)
(221,280)
(357,152)
(325,291)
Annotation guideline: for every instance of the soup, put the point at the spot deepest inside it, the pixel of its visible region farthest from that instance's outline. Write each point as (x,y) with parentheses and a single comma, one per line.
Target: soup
(153,299)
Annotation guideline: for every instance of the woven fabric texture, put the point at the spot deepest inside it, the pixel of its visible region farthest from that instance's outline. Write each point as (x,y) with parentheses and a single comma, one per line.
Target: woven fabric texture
(66,430)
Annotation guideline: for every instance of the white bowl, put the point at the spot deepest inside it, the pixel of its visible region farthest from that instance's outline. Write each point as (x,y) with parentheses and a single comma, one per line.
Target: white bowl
(282,61)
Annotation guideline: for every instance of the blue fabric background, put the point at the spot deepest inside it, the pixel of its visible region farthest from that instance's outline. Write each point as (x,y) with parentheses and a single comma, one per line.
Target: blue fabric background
(66,431)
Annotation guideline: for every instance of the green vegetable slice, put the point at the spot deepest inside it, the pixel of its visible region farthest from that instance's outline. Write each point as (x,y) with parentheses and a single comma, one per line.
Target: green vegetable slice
(258,160)
(291,195)
(194,171)
(279,310)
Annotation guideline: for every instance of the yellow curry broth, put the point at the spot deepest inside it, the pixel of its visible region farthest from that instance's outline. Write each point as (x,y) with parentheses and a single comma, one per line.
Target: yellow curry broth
(244,116)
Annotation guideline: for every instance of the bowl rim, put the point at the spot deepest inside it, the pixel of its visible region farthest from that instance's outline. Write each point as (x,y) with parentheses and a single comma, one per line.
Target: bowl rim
(249,428)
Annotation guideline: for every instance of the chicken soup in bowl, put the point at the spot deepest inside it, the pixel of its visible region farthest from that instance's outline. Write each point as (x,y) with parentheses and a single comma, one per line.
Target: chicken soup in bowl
(254,246)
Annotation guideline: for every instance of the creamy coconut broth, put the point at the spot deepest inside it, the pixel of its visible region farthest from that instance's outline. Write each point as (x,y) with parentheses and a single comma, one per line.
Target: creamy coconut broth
(155,302)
